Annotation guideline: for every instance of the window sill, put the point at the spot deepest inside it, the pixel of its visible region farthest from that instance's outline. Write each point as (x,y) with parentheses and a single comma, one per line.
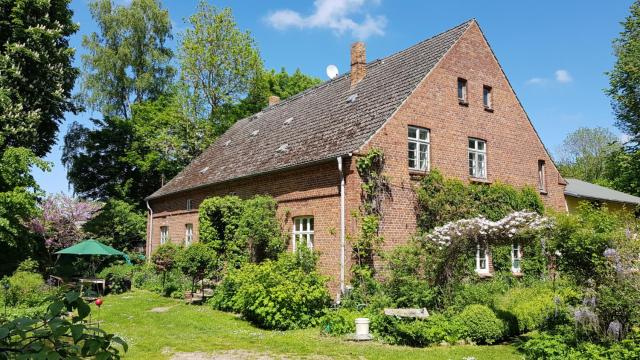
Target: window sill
(484,275)
(543,192)
(463,102)
(488,109)
(480,180)
(517,274)
(417,174)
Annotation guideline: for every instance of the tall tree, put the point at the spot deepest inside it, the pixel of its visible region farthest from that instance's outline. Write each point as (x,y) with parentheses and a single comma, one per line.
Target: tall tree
(128,60)
(624,79)
(584,152)
(18,204)
(36,72)
(219,63)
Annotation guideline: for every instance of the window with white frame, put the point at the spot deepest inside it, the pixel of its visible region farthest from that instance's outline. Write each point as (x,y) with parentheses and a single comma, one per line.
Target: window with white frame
(188,234)
(477,158)
(542,185)
(303,232)
(418,148)
(164,234)
(516,257)
(189,205)
(482,259)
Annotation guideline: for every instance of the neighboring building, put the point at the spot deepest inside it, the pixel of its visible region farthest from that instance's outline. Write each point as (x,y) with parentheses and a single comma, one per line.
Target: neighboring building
(578,191)
(443,103)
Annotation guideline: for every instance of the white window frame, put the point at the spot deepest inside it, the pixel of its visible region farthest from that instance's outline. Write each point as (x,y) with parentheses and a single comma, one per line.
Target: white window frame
(164,234)
(303,231)
(188,234)
(516,258)
(482,253)
(542,181)
(461,90)
(477,168)
(189,205)
(487,96)
(419,143)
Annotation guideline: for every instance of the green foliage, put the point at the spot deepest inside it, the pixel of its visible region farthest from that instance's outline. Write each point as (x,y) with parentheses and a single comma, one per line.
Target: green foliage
(26,289)
(198,261)
(624,79)
(118,224)
(219,64)
(29,265)
(559,346)
(280,294)
(581,239)
(443,200)
(118,277)
(481,324)
(36,72)
(56,335)
(435,329)
(410,277)
(128,59)
(170,284)
(583,154)
(527,308)
(18,205)
(241,230)
(340,321)
(164,257)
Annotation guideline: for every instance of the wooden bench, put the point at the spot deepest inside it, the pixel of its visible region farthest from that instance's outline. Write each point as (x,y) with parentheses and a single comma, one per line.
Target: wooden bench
(407,313)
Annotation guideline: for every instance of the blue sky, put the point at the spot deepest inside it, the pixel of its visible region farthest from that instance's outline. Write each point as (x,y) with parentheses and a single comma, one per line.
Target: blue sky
(555,53)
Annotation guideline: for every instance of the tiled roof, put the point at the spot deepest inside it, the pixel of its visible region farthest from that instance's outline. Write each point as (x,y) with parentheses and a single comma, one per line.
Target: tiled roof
(582,189)
(324,122)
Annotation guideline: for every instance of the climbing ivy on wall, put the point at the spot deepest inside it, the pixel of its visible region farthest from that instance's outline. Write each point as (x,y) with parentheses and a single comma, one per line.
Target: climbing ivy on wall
(374,189)
(241,230)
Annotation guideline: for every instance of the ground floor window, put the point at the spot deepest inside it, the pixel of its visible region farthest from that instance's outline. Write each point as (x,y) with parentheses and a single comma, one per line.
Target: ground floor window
(516,258)
(164,234)
(482,259)
(303,232)
(188,234)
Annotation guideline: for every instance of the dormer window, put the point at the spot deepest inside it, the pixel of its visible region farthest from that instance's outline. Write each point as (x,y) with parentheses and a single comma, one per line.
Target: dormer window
(462,91)
(189,205)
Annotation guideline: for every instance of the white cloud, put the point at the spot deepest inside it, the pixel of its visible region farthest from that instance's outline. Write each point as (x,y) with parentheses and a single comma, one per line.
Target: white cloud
(563,76)
(336,15)
(536,81)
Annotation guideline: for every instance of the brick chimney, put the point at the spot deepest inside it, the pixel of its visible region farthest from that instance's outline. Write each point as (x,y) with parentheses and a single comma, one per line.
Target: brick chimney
(358,62)
(273,100)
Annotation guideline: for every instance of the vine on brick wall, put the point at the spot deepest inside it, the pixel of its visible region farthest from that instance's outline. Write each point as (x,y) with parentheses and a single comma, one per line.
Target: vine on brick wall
(375,187)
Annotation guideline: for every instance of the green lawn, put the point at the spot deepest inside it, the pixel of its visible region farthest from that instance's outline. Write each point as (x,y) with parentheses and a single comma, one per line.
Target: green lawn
(184,328)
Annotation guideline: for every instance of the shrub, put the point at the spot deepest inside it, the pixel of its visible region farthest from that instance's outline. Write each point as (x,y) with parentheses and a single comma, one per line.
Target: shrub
(340,321)
(545,346)
(435,329)
(164,259)
(481,324)
(277,294)
(172,283)
(197,261)
(118,277)
(28,265)
(26,288)
(409,275)
(483,292)
(528,307)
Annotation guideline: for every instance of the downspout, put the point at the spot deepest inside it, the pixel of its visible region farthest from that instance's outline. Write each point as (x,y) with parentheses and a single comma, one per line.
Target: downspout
(342,225)
(150,236)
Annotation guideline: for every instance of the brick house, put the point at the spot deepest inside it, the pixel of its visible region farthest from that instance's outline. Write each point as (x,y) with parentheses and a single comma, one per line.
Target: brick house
(443,103)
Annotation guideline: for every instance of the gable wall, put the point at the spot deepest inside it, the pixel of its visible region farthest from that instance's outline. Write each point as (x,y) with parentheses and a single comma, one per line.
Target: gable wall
(513,148)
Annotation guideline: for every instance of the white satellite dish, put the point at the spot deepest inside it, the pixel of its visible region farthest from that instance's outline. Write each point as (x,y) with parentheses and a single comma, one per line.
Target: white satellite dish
(332,71)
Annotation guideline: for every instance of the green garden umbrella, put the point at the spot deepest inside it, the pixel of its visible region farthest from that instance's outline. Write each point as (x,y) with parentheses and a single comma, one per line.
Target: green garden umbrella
(92,247)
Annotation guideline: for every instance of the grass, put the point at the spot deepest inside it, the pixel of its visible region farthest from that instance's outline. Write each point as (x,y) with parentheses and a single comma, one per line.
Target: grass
(187,328)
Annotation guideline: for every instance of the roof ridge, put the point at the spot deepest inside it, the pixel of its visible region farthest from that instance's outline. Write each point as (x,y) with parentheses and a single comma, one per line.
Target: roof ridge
(370,63)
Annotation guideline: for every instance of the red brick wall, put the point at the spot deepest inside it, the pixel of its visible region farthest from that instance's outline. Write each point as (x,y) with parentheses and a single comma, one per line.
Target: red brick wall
(314,190)
(513,147)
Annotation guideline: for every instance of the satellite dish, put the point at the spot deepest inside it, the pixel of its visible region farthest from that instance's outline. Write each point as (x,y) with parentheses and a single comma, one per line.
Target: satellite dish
(332,71)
